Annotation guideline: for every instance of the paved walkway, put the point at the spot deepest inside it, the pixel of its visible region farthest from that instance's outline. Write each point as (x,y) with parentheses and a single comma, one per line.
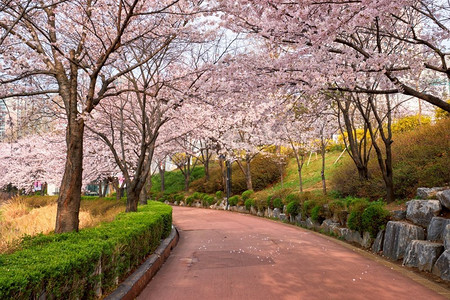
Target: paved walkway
(224,255)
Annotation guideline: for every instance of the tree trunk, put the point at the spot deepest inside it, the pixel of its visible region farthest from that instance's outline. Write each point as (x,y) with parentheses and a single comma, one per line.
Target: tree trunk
(223,174)
(70,191)
(248,175)
(105,188)
(322,172)
(206,166)
(162,172)
(100,190)
(187,178)
(132,198)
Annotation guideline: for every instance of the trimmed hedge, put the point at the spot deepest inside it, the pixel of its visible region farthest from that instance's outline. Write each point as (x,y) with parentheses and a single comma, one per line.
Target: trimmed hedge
(75,265)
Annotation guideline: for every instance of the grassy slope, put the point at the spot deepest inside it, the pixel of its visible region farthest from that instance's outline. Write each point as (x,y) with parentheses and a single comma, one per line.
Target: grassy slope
(311,174)
(174,180)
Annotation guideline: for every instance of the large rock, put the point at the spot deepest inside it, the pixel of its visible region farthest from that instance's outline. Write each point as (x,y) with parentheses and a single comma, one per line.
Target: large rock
(428,193)
(298,218)
(283,217)
(421,212)
(398,215)
(350,235)
(310,224)
(442,266)
(446,237)
(328,225)
(377,245)
(397,237)
(444,198)
(436,228)
(422,254)
(276,213)
(366,240)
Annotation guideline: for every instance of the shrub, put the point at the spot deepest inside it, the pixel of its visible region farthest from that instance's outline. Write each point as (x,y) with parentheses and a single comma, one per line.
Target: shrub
(420,158)
(264,171)
(189,200)
(63,266)
(307,207)
(209,200)
(277,203)
(233,201)
(219,195)
(269,202)
(374,218)
(292,197)
(318,213)
(357,207)
(246,195)
(293,208)
(249,203)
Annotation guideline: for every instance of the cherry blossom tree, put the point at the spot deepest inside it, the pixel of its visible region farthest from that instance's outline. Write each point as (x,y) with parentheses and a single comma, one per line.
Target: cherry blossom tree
(329,45)
(71,49)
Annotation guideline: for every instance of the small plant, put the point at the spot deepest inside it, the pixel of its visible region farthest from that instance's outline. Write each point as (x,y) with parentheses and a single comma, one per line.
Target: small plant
(246,195)
(293,208)
(277,203)
(374,218)
(233,201)
(269,202)
(357,207)
(219,195)
(189,200)
(208,200)
(292,197)
(249,203)
(307,207)
(318,213)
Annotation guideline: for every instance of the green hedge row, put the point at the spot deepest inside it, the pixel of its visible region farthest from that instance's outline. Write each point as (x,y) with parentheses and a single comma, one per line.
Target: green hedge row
(86,264)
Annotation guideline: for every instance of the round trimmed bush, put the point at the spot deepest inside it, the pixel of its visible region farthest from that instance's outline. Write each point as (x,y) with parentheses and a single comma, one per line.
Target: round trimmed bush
(293,208)
(249,203)
(277,203)
(246,195)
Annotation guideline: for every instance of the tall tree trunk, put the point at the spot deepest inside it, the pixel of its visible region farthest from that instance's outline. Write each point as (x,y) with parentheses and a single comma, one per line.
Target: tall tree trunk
(248,174)
(70,192)
(322,172)
(187,178)
(162,172)
(146,191)
(206,166)
(132,198)
(223,174)
(105,188)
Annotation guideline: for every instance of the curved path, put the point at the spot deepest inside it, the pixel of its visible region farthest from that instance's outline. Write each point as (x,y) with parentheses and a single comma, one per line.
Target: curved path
(224,255)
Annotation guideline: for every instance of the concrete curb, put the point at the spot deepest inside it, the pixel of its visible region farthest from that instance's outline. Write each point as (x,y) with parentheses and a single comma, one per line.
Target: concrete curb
(136,282)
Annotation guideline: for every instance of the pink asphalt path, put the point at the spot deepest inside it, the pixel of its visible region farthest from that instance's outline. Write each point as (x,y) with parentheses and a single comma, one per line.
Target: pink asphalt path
(224,255)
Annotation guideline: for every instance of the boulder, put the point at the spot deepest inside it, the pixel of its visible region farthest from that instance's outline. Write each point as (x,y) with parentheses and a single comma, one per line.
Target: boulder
(351,235)
(253,210)
(276,213)
(422,254)
(242,209)
(421,212)
(182,203)
(283,217)
(310,224)
(366,240)
(436,228)
(444,198)
(260,214)
(442,266)
(328,225)
(428,193)
(298,218)
(398,215)
(397,237)
(377,246)
(446,237)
